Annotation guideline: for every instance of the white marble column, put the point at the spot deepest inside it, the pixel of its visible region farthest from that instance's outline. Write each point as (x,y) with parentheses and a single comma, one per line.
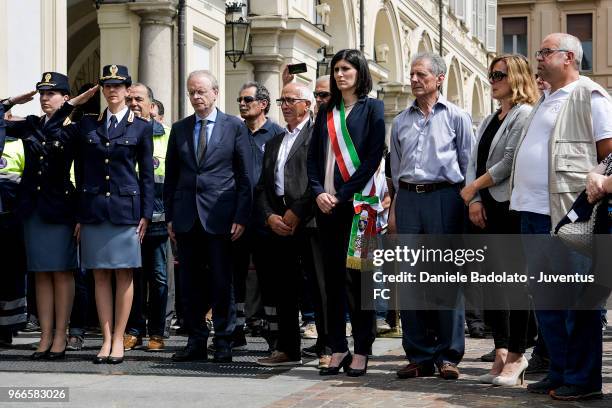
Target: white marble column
(156,50)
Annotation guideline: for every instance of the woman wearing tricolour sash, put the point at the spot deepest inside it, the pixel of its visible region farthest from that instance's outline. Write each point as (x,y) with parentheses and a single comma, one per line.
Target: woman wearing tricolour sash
(345,152)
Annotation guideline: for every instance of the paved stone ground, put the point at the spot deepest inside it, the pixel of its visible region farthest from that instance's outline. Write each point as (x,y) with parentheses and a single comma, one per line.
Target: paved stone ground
(151,380)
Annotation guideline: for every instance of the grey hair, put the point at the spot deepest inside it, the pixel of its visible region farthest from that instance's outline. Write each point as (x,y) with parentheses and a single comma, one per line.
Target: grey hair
(437,64)
(571,43)
(305,91)
(322,78)
(206,74)
(261,92)
(149,90)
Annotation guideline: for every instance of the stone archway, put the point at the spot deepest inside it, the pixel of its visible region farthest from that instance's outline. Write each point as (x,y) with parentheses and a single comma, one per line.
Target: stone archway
(83,44)
(387,49)
(343,31)
(453,84)
(478,107)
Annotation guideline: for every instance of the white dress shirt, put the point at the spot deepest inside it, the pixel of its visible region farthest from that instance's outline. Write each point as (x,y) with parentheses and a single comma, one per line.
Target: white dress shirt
(119,115)
(283,153)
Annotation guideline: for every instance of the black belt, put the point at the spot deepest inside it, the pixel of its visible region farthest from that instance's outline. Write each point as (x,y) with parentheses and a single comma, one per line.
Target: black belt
(424,188)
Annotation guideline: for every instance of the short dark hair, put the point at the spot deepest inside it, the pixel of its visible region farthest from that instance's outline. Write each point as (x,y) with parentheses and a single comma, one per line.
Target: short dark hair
(261,92)
(364,79)
(160,106)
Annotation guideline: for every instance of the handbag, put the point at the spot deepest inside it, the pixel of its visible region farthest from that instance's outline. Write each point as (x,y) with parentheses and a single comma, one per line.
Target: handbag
(576,229)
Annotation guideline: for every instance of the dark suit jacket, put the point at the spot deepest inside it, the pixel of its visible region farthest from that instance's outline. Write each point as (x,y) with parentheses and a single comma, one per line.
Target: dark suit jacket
(2,132)
(217,191)
(366,125)
(298,195)
(109,187)
(45,184)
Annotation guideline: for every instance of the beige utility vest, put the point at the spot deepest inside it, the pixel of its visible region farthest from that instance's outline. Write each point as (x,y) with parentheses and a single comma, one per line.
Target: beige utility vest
(571,149)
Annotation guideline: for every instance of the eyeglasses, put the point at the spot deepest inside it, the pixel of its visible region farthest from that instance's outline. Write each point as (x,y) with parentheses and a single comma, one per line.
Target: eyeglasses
(546,52)
(496,76)
(321,94)
(246,99)
(289,101)
(199,92)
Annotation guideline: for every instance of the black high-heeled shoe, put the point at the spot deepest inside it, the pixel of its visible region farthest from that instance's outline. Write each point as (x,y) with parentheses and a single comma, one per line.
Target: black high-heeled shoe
(115,360)
(52,355)
(56,356)
(344,364)
(100,359)
(40,355)
(358,372)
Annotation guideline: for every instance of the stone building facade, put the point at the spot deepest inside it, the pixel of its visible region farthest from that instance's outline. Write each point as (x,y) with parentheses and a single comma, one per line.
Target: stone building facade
(79,36)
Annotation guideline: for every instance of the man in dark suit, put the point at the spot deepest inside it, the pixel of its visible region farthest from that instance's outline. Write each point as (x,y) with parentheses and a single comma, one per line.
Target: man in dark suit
(285,199)
(207,197)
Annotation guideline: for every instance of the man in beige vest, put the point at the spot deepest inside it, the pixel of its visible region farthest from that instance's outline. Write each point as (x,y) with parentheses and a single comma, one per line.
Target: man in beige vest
(569,130)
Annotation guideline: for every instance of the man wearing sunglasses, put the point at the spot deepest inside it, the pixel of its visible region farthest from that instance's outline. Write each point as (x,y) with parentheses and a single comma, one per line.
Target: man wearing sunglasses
(254,104)
(321,93)
(568,132)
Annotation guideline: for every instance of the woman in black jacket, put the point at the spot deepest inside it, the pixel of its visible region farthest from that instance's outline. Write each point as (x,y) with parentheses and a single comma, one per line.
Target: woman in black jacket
(345,152)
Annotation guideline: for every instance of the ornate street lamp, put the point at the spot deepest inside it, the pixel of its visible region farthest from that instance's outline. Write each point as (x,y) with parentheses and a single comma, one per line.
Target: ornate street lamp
(237,30)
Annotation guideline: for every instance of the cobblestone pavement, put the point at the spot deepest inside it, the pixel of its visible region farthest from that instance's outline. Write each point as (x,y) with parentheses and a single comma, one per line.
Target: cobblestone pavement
(381,388)
(151,379)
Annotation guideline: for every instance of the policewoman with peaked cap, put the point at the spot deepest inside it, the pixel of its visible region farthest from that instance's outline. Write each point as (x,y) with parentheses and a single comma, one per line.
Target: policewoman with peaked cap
(115,202)
(45,204)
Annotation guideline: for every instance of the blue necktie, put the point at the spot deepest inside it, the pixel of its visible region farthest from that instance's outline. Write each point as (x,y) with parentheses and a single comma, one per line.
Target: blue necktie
(112,126)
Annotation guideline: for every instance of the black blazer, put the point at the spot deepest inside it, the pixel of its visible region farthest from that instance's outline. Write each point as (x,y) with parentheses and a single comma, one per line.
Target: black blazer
(366,125)
(2,131)
(217,191)
(109,187)
(45,183)
(298,195)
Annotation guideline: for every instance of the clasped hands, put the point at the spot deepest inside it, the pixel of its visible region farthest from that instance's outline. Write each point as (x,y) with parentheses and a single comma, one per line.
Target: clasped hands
(285,225)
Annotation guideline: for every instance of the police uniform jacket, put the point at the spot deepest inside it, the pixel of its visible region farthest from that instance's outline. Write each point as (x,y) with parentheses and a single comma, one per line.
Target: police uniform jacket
(108,185)
(45,184)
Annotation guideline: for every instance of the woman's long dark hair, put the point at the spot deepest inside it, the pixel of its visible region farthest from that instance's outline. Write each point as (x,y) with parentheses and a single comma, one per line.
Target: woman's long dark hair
(363,81)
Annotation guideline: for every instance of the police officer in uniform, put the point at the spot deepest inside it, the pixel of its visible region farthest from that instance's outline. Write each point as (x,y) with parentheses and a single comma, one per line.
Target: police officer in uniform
(154,259)
(45,203)
(13,310)
(115,202)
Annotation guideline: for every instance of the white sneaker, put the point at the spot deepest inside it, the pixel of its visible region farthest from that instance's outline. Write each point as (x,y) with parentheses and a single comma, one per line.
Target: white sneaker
(382,326)
(310,331)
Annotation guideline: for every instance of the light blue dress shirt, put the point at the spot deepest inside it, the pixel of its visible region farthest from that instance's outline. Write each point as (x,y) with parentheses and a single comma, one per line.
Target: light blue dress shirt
(433,149)
(211,118)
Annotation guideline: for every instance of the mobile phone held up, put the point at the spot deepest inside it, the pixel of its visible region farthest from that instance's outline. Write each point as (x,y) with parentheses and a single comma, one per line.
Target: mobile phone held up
(297,68)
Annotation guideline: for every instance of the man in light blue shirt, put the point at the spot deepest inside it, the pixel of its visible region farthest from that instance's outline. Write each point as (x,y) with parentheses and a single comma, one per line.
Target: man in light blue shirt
(431,142)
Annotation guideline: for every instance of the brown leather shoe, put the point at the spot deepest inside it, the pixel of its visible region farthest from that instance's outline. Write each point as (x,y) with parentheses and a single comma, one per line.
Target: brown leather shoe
(324,361)
(130,342)
(448,371)
(413,370)
(277,359)
(156,343)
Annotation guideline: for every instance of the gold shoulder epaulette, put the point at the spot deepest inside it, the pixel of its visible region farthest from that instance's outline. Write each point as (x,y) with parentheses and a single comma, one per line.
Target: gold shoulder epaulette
(100,116)
(67,121)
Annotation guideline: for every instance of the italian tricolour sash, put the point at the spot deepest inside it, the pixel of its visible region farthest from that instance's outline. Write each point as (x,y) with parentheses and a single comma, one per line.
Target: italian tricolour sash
(367,204)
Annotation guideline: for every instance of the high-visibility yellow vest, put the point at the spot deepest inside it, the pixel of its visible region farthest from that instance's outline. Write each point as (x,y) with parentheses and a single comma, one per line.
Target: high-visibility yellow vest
(160,145)
(12,161)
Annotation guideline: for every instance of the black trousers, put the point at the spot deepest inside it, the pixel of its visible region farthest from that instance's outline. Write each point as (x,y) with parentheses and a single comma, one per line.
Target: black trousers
(251,245)
(206,282)
(312,263)
(280,280)
(509,326)
(343,285)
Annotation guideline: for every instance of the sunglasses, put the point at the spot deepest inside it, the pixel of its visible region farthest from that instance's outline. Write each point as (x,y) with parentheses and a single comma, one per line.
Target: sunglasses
(289,101)
(246,99)
(321,94)
(497,76)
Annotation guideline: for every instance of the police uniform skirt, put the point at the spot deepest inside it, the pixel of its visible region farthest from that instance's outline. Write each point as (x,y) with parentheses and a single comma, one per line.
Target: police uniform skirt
(49,247)
(109,246)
